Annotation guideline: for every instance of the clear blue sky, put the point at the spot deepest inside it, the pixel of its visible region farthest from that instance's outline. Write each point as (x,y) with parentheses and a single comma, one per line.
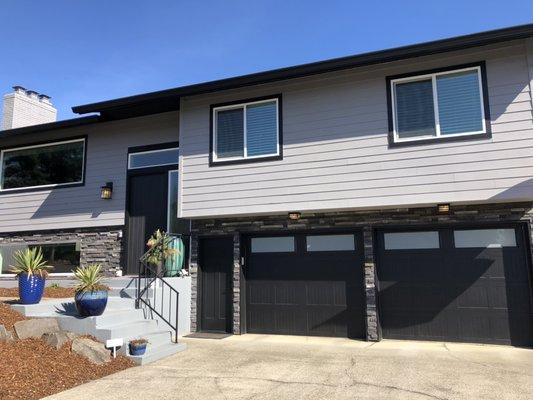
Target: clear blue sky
(80,52)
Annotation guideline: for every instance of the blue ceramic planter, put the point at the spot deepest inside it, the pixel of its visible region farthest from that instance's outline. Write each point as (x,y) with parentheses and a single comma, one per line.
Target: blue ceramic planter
(31,288)
(91,304)
(138,349)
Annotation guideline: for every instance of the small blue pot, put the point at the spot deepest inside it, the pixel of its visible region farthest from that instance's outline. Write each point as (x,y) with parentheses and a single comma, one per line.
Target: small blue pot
(138,349)
(91,304)
(31,288)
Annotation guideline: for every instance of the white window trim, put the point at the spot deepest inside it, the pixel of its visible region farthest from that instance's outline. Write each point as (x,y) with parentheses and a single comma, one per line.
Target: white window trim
(433,77)
(244,106)
(51,144)
(150,152)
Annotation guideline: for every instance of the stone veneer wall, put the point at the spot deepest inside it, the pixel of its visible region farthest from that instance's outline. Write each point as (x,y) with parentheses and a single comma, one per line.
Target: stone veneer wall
(97,245)
(365,220)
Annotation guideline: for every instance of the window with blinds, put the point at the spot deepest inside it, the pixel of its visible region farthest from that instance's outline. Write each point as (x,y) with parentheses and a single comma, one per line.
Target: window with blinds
(438,105)
(246,131)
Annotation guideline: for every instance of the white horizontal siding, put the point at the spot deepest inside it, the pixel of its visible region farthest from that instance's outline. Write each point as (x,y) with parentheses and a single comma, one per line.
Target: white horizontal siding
(336,153)
(81,207)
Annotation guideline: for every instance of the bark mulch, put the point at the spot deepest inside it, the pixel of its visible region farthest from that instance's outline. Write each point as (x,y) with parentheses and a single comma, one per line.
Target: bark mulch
(33,370)
(51,292)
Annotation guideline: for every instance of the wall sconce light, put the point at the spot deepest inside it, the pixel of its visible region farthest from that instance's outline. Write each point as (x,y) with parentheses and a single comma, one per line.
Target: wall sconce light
(295,215)
(443,208)
(107,191)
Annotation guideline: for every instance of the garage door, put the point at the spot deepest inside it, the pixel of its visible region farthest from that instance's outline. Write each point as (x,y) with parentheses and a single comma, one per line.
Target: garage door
(461,284)
(305,284)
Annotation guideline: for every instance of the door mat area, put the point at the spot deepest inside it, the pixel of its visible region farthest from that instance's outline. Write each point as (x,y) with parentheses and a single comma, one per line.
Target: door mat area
(208,335)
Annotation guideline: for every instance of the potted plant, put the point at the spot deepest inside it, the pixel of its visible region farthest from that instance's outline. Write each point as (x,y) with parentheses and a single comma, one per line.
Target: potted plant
(138,347)
(91,294)
(159,249)
(31,270)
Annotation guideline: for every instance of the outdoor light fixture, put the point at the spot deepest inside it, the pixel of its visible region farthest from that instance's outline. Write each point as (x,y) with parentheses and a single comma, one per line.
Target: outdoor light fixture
(295,215)
(443,208)
(107,191)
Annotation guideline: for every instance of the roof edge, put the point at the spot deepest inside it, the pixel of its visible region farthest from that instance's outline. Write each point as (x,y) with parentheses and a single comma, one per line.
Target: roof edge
(66,123)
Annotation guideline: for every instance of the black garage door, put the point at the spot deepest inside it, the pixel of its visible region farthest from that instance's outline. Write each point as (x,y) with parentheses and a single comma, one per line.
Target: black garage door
(305,284)
(457,283)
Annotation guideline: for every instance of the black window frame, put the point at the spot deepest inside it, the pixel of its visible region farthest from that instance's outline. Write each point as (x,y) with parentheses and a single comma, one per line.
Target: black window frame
(41,188)
(442,139)
(213,162)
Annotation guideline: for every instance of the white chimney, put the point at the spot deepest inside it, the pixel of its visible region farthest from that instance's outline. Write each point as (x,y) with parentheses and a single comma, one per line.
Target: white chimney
(26,107)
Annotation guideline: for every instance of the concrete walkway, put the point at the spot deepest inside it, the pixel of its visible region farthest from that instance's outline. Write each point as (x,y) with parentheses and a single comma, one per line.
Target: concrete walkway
(282,367)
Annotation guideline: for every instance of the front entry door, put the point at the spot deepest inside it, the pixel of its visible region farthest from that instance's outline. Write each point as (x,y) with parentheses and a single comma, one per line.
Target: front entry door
(216,262)
(147,212)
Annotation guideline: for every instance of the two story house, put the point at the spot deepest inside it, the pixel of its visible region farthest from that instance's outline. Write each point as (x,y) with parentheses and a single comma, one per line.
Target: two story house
(382,195)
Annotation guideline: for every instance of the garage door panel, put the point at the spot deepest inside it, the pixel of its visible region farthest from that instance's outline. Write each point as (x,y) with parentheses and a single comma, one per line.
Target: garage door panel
(459,291)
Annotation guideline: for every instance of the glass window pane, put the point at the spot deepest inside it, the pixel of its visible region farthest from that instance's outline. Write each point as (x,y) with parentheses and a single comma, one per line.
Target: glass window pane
(262,129)
(230,133)
(330,243)
(154,158)
(459,103)
(43,165)
(172,207)
(485,238)
(276,244)
(411,240)
(64,257)
(6,256)
(415,114)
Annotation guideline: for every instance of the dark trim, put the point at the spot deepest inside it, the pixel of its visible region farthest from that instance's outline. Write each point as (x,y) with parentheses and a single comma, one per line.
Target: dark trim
(58,186)
(60,230)
(166,100)
(154,169)
(157,146)
(279,98)
(68,123)
(451,138)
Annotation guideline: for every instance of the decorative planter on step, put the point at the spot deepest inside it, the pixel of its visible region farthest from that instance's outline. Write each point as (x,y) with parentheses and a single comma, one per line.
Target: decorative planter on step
(31,288)
(91,304)
(137,349)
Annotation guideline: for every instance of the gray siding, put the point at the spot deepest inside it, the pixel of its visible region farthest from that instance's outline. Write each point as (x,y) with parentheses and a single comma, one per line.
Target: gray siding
(77,207)
(336,153)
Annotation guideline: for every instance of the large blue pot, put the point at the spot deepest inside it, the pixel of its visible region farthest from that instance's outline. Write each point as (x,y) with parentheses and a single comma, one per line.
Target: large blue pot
(91,304)
(31,288)
(137,349)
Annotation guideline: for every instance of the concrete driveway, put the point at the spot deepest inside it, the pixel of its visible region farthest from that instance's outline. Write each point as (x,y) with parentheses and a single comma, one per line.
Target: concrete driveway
(282,367)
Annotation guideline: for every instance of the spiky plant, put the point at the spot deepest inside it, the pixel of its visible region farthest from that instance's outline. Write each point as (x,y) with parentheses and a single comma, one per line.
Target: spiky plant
(89,278)
(31,262)
(159,247)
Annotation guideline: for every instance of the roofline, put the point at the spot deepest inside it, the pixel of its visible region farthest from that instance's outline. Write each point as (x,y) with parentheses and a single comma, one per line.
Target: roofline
(336,64)
(67,123)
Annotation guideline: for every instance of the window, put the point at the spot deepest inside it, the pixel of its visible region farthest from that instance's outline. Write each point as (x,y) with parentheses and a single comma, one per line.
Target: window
(484,238)
(153,158)
(438,105)
(45,165)
(64,257)
(411,240)
(330,243)
(246,131)
(278,244)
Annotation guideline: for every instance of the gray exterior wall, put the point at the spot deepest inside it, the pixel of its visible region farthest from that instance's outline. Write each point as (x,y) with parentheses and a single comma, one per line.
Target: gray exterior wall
(81,207)
(336,153)
(365,221)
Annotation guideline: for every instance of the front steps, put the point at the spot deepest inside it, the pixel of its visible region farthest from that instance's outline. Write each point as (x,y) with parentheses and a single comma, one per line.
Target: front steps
(120,320)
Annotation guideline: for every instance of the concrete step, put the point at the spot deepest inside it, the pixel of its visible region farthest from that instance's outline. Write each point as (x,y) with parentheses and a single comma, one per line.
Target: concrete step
(128,293)
(119,317)
(128,330)
(158,352)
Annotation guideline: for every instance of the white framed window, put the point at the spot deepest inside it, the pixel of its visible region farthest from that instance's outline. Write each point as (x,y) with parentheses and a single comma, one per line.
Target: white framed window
(247,130)
(438,105)
(153,158)
(49,165)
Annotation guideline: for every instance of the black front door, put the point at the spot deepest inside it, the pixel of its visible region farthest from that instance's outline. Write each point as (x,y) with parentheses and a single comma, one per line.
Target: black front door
(305,284)
(147,212)
(216,264)
(467,284)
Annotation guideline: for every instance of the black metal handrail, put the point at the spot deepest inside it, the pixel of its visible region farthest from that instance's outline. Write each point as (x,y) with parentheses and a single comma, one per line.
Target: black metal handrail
(149,277)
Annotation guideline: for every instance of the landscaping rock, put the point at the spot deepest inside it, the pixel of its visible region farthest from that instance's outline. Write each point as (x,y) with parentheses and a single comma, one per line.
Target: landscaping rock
(93,351)
(35,328)
(5,335)
(58,339)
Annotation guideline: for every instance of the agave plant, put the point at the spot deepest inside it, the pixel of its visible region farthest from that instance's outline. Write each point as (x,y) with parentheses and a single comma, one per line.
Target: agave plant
(30,262)
(89,278)
(159,247)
